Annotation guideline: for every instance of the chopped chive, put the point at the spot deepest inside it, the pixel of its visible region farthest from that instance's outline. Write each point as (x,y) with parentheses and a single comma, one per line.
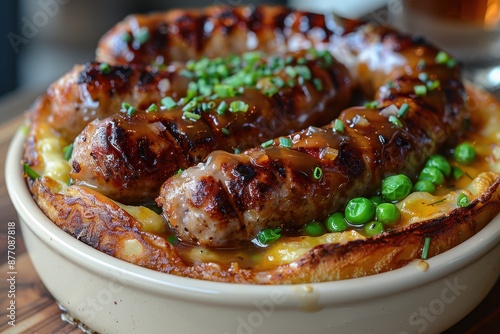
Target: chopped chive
(280,83)
(290,71)
(186,73)
(442,57)
(126,37)
(431,85)
(390,84)
(339,126)
(173,240)
(191,115)
(371,104)
(425,249)
(420,90)
(142,36)
(190,106)
(421,64)
(168,102)
(225,131)
(221,109)
(131,110)
(267,143)
(30,172)
(285,142)
(224,91)
(317,173)
(268,235)
(403,110)
(301,61)
(288,60)
(303,71)
(463,200)
(318,84)
(104,68)
(152,108)
(68,151)
(451,63)
(424,77)
(394,120)
(271,91)
(238,106)
(125,106)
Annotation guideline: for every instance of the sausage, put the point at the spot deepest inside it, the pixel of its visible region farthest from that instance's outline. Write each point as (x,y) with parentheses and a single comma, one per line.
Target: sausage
(128,157)
(97,90)
(214,32)
(227,200)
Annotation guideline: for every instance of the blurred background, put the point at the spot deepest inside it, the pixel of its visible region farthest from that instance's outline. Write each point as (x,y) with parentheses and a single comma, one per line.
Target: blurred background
(43,39)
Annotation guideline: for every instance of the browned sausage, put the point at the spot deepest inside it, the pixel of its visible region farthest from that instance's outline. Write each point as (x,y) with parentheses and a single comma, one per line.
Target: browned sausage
(213,32)
(128,157)
(231,197)
(97,90)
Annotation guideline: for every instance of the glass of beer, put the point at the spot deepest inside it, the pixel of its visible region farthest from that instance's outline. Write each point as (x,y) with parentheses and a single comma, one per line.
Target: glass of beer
(469,30)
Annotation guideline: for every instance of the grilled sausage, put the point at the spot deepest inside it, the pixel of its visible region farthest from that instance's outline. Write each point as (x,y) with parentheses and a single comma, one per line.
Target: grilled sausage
(127,158)
(231,197)
(213,32)
(97,90)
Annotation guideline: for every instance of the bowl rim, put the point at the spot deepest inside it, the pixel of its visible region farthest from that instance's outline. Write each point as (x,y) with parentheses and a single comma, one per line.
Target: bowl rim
(328,293)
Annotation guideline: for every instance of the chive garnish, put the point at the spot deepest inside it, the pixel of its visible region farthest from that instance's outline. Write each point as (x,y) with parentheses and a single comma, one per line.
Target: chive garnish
(126,37)
(424,77)
(431,85)
(421,64)
(394,120)
(339,126)
(403,110)
(271,91)
(267,143)
(225,131)
(190,106)
(285,142)
(131,110)
(142,36)
(303,71)
(30,172)
(238,106)
(371,104)
(290,71)
(221,109)
(318,84)
(173,240)
(269,235)
(442,57)
(425,249)
(168,102)
(317,173)
(191,115)
(420,90)
(152,108)
(104,68)
(68,151)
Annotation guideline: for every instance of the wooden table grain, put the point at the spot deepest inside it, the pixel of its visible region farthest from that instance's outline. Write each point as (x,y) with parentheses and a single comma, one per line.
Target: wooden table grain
(37,311)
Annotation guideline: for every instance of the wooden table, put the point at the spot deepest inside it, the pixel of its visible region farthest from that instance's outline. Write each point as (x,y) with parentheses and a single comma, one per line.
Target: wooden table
(37,311)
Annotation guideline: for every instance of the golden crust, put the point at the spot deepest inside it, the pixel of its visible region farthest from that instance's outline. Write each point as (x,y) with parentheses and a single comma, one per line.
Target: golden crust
(106,226)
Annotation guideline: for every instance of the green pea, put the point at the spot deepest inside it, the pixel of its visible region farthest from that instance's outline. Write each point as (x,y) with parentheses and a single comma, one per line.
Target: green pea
(314,229)
(387,214)
(359,210)
(336,222)
(465,153)
(396,187)
(373,228)
(424,186)
(432,174)
(377,200)
(440,163)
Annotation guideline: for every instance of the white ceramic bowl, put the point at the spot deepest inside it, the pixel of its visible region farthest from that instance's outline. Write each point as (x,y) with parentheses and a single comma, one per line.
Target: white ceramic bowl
(113,296)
